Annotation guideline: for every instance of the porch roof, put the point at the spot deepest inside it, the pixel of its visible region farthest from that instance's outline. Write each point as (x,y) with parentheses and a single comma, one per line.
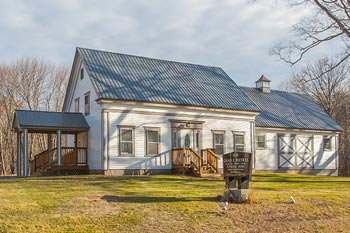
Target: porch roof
(47,122)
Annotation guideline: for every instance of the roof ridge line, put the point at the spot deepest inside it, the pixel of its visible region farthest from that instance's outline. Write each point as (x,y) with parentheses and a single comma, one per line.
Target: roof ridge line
(158,59)
(289,92)
(27,110)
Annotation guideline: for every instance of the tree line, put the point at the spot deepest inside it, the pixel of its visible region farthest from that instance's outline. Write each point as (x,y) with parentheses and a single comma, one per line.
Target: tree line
(326,80)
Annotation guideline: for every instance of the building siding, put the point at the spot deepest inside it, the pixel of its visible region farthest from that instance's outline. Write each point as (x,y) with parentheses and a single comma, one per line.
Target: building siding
(94,118)
(163,161)
(267,159)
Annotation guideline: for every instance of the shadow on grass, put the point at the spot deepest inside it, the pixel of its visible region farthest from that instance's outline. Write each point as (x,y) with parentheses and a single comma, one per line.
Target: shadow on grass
(151,199)
(301,181)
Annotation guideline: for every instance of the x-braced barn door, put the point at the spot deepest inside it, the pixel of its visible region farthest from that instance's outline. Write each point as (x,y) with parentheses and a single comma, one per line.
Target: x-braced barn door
(295,151)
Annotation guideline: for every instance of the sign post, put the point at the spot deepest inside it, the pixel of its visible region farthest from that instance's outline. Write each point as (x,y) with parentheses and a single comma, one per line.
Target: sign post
(237,171)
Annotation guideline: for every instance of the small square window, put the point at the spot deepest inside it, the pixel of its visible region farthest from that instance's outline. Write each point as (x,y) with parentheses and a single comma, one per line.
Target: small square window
(260,142)
(327,143)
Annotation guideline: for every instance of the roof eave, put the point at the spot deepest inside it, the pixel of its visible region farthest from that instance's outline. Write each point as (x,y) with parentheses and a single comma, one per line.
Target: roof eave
(108,100)
(296,128)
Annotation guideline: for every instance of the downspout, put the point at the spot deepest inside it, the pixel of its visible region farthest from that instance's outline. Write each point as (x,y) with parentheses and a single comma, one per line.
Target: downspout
(105,140)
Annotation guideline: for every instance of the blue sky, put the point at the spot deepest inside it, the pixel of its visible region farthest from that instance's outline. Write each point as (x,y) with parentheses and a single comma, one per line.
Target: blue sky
(235,35)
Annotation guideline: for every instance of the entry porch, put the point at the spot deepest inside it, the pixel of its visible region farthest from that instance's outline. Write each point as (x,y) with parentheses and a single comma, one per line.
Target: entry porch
(57,159)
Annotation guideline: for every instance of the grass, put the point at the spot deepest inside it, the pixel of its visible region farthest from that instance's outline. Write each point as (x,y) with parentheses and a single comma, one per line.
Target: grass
(172,204)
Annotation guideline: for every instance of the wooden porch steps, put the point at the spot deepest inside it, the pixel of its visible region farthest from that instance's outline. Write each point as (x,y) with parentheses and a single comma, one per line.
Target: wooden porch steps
(188,162)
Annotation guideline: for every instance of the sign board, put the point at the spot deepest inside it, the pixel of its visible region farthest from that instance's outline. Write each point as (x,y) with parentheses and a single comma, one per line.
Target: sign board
(237,164)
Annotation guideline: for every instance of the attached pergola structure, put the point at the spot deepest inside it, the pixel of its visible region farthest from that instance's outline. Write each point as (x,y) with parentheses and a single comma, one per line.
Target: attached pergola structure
(51,123)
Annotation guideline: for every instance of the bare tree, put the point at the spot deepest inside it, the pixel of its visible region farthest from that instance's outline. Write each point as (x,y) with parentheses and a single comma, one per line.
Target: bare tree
(32,84)
(331,90)
(329,21)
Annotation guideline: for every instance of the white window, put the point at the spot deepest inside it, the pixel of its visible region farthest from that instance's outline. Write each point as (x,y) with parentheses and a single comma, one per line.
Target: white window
(87,103)
(152,141)
(126,141)
(82,73)
(238,141)
(261,142)
(175,138)
(219,142)
(327,142)
(76,105)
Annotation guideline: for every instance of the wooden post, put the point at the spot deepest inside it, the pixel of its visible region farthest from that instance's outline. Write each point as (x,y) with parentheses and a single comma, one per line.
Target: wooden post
(19,164)
(76,148)
(25,152)
(183,157)
(59,148)
(49,147)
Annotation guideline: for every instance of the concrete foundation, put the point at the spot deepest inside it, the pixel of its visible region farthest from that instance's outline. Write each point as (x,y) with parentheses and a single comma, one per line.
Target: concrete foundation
(136,172)
(237,195)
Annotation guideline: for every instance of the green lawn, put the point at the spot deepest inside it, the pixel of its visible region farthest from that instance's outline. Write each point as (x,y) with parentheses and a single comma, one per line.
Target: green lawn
(172,204)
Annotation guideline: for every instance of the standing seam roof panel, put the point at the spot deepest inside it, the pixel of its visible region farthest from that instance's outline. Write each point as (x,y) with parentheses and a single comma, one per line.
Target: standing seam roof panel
(289,110)
(127,77)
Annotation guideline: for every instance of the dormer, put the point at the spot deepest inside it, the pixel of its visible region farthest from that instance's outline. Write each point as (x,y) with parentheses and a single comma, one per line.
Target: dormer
(263,84)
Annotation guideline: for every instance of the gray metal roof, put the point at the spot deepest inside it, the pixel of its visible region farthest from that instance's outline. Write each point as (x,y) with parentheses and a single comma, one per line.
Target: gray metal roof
(43,120)
(289,110)
(127,77)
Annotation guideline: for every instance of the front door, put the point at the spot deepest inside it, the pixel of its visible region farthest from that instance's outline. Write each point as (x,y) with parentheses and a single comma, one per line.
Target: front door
(186,135)
(187,138)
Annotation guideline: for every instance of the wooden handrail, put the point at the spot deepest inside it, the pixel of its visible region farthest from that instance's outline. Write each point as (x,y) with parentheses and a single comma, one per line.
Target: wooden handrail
(198,162)
(71,156)
(212,159)
(44,152)
(213,154)
(187,157)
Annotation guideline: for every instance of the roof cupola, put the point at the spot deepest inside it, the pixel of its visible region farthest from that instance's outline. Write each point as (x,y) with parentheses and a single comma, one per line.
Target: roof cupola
(263,84)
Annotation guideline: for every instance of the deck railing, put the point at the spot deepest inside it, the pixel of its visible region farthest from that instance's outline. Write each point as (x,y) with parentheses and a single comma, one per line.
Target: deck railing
(188,158)
(210,159)
(71,156)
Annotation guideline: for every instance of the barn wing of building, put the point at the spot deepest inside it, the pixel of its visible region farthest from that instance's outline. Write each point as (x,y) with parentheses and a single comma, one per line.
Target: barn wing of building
(293,133)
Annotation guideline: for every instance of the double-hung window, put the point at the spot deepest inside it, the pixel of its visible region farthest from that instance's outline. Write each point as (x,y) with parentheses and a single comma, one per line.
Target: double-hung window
(76,105)
(238,141)
(152,141)
(126,141)
(219,142)
(87,103)
(327,142)
(82,74)
(261,142)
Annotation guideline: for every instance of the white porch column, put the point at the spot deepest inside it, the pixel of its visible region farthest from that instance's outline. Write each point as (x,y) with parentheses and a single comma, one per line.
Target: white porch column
(105,119)
(25,152)
(49,147)
(59,148)
(19,168)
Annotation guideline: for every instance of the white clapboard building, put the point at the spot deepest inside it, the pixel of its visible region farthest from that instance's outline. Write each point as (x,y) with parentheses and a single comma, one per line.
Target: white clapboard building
(148,116)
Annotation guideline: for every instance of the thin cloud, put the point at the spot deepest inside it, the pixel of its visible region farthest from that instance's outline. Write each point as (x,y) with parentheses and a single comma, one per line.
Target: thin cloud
(235,35)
